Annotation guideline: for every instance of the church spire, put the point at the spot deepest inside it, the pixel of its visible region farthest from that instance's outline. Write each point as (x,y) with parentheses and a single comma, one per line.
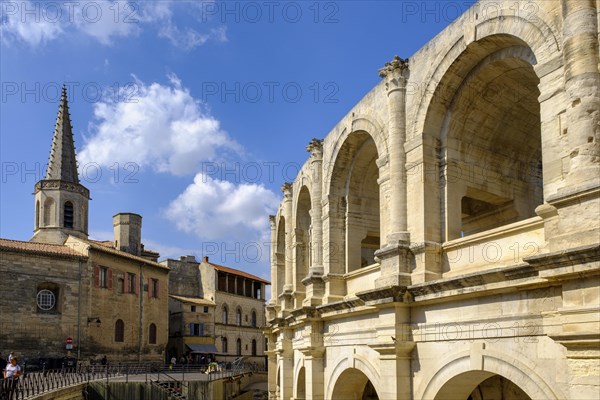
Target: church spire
(61,202)
(62,164)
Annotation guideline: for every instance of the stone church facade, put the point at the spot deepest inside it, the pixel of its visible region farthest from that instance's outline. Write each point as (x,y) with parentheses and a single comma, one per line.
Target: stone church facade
(442,240)
(63,294)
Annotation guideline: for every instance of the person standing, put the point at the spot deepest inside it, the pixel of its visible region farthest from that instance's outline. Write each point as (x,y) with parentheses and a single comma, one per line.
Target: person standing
(12,373)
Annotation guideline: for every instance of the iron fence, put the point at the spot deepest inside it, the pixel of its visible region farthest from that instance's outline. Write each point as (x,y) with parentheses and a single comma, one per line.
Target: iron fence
(32,384)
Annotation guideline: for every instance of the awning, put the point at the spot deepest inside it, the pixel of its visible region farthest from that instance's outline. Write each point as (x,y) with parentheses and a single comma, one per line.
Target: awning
(202,348)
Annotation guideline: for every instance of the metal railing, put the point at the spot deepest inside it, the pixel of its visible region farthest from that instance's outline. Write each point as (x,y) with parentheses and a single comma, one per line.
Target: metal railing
(32,384)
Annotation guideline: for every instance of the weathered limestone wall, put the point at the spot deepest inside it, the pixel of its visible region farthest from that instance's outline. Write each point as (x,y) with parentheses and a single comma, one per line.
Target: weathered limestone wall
(485,150)
(23,327)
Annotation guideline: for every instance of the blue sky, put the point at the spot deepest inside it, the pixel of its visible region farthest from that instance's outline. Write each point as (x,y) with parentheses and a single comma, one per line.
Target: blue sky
(191,114)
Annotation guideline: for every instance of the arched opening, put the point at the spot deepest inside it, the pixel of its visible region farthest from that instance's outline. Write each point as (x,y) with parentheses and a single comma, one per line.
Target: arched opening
(238,347)
(486,116)
(37,214)
(119,331)
(225,315)
(68,219)
(480,385)
(253,347)
(224,349)
(301,385)
(354,384)
(355,206)
(253,319)
(238,317)
(303,240)
(280,257)
(49,212)
(152,334)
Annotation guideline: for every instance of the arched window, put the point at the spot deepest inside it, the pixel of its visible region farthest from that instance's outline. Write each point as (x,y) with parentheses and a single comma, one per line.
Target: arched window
(239,347)
(152,334)
(225,314)
(238,317)
(68,215)
(224,342)
(37,214)
(119,331)
(49,213)
(253,347)
(253,319)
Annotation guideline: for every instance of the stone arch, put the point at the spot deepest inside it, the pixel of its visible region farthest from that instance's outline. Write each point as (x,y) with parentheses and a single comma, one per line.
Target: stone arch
(360,123)
(535,33)
(440,385)
(302,245)
(360,368)
(485,117)
(355,214)
(299,370)
(49,212)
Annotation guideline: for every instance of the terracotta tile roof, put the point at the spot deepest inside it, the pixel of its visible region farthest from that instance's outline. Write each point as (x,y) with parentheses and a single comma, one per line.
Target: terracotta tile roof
(237,272)
(110,250)
(39,248)
(193,300)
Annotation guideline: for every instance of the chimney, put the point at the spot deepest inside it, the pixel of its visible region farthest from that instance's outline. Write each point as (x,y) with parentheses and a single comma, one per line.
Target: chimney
(128,233)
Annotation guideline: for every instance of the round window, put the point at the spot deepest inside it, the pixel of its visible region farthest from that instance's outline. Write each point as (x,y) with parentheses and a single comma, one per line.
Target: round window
(46,300)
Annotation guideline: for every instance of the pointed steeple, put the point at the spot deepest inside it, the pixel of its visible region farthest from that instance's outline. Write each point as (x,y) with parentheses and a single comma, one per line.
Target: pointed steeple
(61,202)
(62,164)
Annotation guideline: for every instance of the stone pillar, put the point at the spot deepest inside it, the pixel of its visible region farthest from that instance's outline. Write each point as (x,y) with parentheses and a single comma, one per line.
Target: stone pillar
(288,287)
(314,366)
(315,374)
(285,363)
(394,345)
(272,365)
(394,255)
(582,85)
(315,287)
(395,75)
(274,277)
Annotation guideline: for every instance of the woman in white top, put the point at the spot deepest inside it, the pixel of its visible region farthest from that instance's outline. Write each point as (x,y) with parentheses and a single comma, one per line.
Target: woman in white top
(13,370)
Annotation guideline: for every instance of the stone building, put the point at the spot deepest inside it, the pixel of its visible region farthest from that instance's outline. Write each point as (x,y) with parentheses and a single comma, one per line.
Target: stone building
(238,299)
(105,298)
(191,316)
(442,241)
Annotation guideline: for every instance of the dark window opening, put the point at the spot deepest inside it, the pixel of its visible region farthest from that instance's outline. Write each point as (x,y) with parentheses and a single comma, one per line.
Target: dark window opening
(68,215)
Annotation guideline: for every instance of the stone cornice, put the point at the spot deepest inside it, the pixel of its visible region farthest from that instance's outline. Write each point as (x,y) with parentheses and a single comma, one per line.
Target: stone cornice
(340,305)
(564,258)
(474,279)
(62,185)
(389,294)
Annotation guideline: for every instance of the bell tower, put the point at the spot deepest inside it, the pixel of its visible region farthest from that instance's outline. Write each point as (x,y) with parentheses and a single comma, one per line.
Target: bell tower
(61,202)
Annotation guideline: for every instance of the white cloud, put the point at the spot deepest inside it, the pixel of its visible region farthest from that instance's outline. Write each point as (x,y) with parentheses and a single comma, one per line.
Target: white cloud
(37,22)
(34,28)
(189,38)
(161,126)
(217,210)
